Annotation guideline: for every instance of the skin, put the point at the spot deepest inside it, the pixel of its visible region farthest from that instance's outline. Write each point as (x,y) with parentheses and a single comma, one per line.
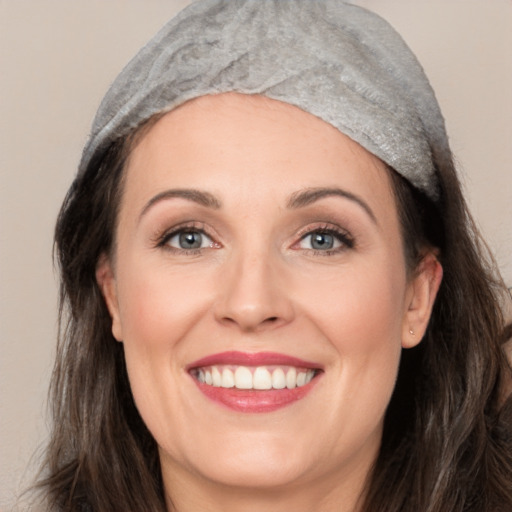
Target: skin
(257,285)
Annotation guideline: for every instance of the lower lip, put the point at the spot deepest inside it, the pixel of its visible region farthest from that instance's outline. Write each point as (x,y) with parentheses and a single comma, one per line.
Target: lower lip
(254,401)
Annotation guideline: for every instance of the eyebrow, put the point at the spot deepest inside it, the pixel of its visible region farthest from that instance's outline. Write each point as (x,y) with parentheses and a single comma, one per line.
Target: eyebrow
(197,196)
(308,196)
(297,200)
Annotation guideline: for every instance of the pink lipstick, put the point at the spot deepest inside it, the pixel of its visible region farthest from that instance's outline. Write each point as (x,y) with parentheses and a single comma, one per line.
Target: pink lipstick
(254,382)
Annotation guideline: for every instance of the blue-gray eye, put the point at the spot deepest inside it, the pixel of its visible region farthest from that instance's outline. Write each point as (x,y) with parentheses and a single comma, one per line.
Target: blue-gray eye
(189,240)
(320,241)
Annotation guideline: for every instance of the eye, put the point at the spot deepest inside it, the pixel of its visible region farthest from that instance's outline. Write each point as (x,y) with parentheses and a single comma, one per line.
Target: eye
(320,241)
(188,239)
(324,240)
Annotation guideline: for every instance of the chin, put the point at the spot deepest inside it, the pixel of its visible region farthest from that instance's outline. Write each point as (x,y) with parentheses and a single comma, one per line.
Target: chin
(258,472)
(247,460)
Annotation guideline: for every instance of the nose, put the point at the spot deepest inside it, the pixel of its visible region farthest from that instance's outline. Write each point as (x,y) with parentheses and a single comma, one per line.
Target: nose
(254,294)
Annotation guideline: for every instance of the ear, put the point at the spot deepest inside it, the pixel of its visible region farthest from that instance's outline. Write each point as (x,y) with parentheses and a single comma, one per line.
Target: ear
(107,282)
(421,294)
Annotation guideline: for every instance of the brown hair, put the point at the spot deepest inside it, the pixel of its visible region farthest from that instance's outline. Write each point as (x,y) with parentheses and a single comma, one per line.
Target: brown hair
(447,442)
(446,445)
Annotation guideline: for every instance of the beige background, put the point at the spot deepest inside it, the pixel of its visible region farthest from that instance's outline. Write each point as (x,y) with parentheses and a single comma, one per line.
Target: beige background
(57,58)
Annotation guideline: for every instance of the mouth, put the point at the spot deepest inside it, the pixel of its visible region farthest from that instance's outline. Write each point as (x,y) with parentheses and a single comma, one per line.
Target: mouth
(248,382)
(250,377)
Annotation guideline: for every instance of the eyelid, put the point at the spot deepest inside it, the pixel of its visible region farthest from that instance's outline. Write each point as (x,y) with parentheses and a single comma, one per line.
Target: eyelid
(343,236)
(162,238)
(337,243)
(177,234)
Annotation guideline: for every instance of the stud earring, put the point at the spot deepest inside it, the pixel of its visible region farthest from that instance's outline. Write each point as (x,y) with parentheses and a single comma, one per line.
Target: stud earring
(412,332)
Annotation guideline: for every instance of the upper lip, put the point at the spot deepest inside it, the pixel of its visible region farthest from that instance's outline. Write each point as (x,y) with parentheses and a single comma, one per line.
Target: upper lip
(253,359)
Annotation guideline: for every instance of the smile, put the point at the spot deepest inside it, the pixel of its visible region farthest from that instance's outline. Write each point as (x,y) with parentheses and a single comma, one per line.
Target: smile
(261,382)
(261,377)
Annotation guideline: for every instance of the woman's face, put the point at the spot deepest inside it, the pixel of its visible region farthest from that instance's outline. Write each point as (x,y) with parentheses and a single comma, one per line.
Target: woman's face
(258,247)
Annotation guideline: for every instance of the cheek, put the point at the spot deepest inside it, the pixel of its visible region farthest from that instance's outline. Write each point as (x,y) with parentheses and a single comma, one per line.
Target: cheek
(366,304)
(158,309)
(361,315)
(158,305)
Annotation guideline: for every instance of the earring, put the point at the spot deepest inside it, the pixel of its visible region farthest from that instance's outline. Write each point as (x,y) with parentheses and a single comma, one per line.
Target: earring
(411,332)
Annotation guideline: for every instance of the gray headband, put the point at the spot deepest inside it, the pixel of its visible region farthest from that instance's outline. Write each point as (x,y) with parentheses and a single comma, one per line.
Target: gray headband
(334,60)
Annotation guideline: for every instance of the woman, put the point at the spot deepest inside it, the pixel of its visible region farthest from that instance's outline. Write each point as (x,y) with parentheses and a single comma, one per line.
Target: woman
(273,296)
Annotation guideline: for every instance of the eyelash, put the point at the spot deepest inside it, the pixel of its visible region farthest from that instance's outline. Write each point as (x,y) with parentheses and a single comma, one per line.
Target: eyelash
(344,238)
(162,241)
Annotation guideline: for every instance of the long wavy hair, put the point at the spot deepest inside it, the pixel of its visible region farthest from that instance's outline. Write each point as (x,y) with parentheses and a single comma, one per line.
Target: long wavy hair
(447,442)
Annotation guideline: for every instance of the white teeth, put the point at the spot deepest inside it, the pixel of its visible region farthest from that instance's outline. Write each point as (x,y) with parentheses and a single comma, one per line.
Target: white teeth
(278,379)
(243,378)
(291,378)
(228,380)
(261,378)
(216,377)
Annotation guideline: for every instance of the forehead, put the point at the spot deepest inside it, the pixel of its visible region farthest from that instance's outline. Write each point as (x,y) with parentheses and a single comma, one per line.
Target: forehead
(241,144)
